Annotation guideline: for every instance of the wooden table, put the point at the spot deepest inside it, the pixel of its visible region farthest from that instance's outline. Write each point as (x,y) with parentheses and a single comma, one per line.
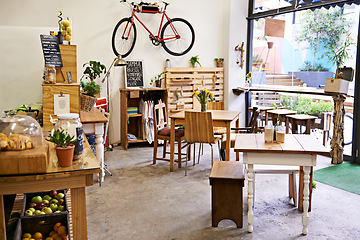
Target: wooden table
(221,118)
(264,111)
(300,119)
(280,114)
(93,123)
(76,177)
(298,150)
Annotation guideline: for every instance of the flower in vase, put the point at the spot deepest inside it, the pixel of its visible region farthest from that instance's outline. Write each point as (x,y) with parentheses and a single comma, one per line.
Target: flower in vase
(204,96)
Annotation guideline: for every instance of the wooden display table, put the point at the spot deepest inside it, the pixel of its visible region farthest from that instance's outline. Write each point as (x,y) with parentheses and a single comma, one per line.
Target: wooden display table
(76,177)
(227,181)
(300,120)
(280,114)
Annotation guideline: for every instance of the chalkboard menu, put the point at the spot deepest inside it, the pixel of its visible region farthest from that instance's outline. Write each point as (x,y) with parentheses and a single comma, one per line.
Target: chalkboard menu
(134,74)
(51,50)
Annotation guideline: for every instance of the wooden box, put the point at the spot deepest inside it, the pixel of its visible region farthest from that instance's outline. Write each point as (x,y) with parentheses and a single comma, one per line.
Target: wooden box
(24,162)
(48,100)
(336,85)
(68,56)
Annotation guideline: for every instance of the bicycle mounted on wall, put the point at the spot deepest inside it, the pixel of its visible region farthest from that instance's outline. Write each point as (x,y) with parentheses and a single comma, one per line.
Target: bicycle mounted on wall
(176,36)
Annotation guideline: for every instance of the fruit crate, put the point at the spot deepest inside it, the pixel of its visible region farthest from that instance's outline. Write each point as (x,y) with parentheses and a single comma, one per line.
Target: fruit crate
(29,196)
(41,223)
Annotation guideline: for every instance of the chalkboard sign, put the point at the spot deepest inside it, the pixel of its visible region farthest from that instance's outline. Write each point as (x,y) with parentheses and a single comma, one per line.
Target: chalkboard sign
(134,74)
(51,50)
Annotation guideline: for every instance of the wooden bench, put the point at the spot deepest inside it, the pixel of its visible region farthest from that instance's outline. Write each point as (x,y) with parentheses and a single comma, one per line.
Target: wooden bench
(227,181)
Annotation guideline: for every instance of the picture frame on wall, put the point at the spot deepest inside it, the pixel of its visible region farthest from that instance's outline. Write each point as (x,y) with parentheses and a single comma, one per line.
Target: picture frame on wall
(134,74)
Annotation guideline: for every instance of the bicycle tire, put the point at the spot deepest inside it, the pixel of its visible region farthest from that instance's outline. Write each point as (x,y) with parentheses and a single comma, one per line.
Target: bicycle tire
(120,45)
(184,29)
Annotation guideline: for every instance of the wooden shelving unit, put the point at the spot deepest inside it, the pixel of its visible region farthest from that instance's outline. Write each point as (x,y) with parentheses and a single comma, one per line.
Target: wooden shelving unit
(134,123)
(184,81)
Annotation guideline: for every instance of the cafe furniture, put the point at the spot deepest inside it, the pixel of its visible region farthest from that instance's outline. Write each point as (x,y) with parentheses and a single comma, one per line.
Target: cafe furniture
(220,118)
(280,115)
(162,132)
(199,129)
(93,123)
(227,182)
(262,112)
(76,178)
(297,150)
(300,120)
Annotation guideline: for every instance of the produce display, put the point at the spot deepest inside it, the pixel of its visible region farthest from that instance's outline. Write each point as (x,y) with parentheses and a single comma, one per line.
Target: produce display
(66,30)
(59,233)
(53,202)
(15,142)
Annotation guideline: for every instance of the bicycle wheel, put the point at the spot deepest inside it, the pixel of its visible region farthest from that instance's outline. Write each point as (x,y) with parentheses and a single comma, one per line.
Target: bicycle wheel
(124,37)
(183,29)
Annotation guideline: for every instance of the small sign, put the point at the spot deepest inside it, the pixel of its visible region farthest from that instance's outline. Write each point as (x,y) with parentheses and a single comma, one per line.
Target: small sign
(134,74)
(51,50)
(69,77)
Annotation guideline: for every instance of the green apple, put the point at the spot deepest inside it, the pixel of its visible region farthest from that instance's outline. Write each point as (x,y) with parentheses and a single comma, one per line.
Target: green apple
(32,209)
(28,213)
(61,208)
(37,212)
(36,199)
(57,211)
(41,213)
(54,201)
(46,202)
(60,196)
(47,197)
(26,235)
(47,210)
(53,207)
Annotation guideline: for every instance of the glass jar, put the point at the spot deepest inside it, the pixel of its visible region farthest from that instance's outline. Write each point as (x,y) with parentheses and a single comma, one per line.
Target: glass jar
(269,133)
(280,134)
(50,74)
(20,132)
(70,122)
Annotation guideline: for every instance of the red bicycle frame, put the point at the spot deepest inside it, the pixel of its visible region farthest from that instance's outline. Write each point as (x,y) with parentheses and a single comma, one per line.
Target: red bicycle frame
(176,35)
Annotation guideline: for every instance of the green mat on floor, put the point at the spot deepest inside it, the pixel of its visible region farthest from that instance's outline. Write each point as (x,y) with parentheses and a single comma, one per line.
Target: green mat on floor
(345,176)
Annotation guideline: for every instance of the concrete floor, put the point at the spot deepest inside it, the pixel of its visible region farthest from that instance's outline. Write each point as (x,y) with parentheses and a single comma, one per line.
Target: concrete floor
(146,201)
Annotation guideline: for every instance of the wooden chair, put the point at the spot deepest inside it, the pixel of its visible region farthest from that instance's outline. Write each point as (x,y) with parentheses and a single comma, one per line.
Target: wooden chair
(253,128)
(162,132)
(199,129)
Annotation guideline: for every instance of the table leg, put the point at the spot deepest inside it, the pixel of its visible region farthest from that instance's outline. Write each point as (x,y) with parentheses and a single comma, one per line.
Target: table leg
(78,202)
(287,124)
(266,118)
(228,141)
(237,124)
(308,126)
(250,198)
(99,149)
(305,219)
(172,145)
(2,217)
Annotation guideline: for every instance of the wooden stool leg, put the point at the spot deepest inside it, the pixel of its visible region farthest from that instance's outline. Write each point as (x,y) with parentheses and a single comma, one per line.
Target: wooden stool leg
(155,151)
(164,148)
(179,154)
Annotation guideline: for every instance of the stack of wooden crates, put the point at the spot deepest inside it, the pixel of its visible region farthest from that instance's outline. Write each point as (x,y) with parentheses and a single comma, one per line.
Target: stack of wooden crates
(68,55)
(182,82)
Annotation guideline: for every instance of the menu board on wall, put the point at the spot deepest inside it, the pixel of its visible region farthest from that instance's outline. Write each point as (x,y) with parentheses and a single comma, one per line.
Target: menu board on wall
(134,74)
(51,50)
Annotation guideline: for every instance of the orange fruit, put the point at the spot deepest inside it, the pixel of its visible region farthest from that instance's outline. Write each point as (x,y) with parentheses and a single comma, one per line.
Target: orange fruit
(62,231)
(56,226)
(51,233)
(37,236)
(57,237)
(26,239)
(49,238)
(26,235)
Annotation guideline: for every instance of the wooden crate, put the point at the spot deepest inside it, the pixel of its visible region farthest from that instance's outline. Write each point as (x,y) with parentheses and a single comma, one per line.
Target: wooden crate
(184,81)
(68,56)
(49,90)
(24,162)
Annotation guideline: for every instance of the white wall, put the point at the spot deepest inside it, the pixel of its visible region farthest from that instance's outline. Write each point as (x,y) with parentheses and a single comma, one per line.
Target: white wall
(219,26)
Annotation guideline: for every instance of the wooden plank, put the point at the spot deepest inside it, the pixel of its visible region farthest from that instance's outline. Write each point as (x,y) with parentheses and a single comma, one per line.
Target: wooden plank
(68,55)
(78,201)
(291,145)
(245,143)
(311,145)
(94,116)
(227,170)
(2,216)
(263,146)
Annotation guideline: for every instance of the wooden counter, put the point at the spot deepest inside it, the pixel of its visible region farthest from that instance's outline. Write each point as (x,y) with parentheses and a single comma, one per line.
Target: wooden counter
(76,177)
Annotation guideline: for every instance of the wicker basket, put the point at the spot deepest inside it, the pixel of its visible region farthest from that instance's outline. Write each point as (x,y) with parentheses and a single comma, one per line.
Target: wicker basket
(87,102)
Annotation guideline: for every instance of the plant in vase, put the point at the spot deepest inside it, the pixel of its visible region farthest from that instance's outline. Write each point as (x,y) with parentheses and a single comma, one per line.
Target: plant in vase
(203,96)
(92,71)
(59,35)
(194,60)
(219,62)
(64,146)
(157,79)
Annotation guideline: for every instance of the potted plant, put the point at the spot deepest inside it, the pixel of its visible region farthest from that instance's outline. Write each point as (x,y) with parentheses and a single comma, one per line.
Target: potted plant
(157,79)
(194,60)
(92,71)
(64,146)
(219,62)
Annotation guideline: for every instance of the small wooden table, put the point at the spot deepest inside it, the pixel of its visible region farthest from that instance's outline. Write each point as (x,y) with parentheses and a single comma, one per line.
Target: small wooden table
(221,118)
(300,119)
(263,110)
(93,123)
(227,182)
(280,114)
(76,177)
(297,150)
